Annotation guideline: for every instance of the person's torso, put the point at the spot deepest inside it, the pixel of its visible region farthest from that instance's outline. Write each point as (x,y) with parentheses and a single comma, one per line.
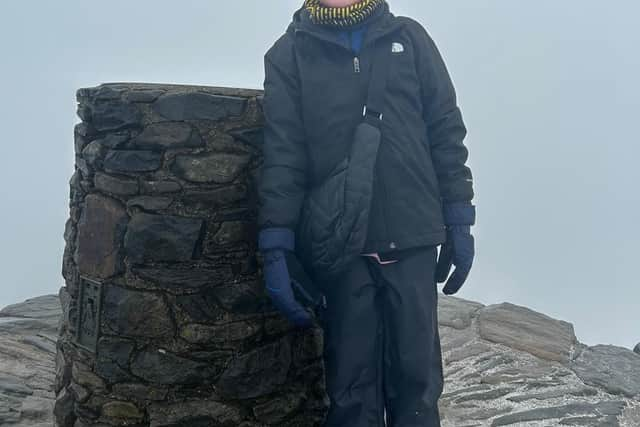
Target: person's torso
(334,77)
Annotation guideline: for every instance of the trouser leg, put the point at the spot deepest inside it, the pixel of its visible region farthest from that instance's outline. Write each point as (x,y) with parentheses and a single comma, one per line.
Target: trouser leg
(413,372)
(353,350)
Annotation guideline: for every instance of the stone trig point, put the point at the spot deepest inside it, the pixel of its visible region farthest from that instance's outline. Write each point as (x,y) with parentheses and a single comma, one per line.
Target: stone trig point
(165,321)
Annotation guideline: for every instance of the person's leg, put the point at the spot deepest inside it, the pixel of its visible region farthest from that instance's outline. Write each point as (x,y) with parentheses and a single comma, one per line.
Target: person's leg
(413,372)
(352,349)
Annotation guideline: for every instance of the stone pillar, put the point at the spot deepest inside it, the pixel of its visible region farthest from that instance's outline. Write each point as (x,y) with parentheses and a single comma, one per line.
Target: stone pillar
(166,322)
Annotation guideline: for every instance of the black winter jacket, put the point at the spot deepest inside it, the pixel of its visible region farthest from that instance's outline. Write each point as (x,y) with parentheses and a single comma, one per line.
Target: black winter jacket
(314,92)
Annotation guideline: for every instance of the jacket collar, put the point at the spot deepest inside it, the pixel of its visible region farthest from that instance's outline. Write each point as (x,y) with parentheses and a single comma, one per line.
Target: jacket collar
(382,22)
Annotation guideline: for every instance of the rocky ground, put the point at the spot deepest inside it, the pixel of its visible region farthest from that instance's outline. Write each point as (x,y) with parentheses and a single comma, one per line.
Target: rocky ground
(505,365)
(508,365)
(28,334)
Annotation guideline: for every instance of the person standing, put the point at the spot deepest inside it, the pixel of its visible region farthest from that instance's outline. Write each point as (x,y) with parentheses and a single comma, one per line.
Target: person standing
(382,347)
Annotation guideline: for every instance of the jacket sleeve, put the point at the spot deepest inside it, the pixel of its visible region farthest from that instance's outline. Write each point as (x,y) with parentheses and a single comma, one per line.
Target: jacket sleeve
(445,126)
(282,185)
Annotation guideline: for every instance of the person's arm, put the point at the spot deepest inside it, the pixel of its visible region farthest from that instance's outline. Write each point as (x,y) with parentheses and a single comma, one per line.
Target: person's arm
(283,180)
(446,132)
(445,127)
(282,186)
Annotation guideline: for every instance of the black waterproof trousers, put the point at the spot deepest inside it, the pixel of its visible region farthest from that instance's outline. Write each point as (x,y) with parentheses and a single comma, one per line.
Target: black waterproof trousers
(382,346)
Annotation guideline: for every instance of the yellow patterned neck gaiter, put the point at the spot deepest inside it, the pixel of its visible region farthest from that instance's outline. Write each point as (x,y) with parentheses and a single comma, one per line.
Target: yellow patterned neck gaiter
(340,16)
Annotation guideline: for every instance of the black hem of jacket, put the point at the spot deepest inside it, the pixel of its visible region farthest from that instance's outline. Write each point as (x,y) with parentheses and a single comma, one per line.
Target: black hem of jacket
(425,239)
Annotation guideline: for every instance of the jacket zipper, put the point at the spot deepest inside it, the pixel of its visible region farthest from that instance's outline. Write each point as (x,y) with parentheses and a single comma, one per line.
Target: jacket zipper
(356,60)
(356,67)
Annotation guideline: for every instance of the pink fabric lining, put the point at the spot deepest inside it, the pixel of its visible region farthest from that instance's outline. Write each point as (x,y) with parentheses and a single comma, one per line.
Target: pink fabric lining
(377,257)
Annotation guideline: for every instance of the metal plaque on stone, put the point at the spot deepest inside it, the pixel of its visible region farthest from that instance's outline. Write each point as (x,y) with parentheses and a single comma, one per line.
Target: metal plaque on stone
(89,308)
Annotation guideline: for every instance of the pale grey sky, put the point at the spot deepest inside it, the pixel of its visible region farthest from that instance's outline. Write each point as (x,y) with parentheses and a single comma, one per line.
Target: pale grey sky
(549,91)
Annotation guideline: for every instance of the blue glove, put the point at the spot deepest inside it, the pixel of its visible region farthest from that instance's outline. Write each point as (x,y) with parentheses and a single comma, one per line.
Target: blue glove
(273,242)
(459,248)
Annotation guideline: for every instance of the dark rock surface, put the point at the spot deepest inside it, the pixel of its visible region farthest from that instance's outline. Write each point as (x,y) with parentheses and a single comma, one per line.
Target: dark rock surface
(168,135)
(161,238)
(164,304)
(131,161)
(198,105)
(100,231)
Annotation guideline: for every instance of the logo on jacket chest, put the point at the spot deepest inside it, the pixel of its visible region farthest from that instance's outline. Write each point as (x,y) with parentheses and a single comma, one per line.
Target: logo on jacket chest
(397,47)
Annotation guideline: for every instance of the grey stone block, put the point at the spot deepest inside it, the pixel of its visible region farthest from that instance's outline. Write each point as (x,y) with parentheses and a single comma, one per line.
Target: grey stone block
(527,330)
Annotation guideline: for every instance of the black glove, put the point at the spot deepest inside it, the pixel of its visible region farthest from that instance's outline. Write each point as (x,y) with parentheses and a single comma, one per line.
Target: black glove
(274,244)
(459,249)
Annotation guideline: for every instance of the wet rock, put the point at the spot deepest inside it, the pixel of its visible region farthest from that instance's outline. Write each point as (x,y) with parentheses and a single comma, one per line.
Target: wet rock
(472,349)
(123,411)
(168,135)
(210,198)
(115,185)
(143,95)
(45,308)
(113,359)
(193,413)
(274,411)
(139,391)
(113,140)
(99,93)
(219,168)
(524,329)
(132,161)
(229,233)
(201,307)
(244,297)
(616,369)
(134,314)
(84,376)
(552,394)
(180,280)
(161,238)
(81,133)
(62,411)
(259,372)
(251,136)
(150,203)
(100,232)
(93,153)
(162,367)
(539,414)
(456,312)
(307,346)
(484,413)
(160,187)
(485,395)
(63,372)
(83,166)
(198,106)
(221,333)
(80,393)
(107,116)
